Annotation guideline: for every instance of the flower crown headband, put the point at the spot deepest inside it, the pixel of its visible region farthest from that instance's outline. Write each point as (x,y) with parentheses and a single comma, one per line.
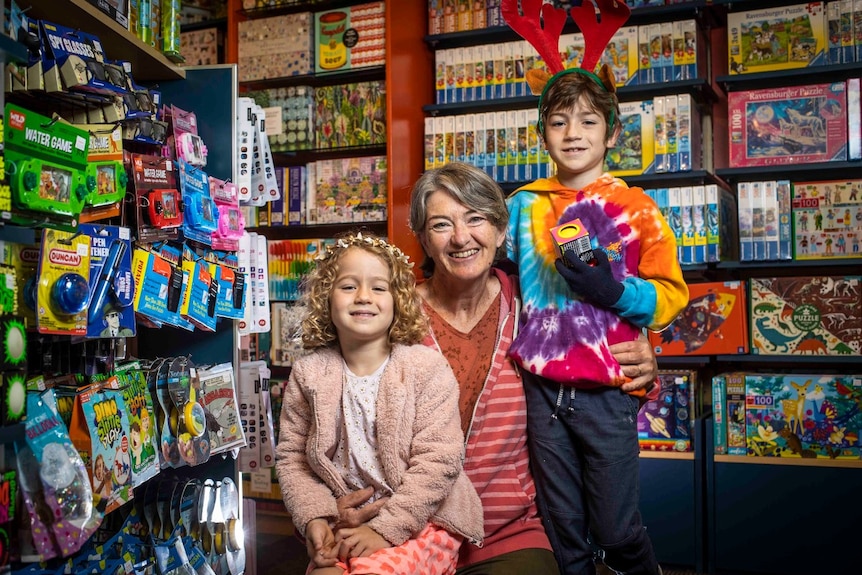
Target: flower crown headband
(358,239)
(541,25)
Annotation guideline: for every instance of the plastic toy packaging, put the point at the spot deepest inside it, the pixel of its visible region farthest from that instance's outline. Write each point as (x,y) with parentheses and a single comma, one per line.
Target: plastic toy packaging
(231,222)
(54,482)
(189,145)
(112,290)
(63,286)
(201,212)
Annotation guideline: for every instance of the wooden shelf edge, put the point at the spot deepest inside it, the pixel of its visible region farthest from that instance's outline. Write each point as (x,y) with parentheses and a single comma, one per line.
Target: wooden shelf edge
(799,462)
(675,455)
(148,64)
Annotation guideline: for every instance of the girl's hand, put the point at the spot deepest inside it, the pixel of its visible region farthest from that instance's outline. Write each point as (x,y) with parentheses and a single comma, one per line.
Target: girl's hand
(320,543)
(359,542)
(352,512)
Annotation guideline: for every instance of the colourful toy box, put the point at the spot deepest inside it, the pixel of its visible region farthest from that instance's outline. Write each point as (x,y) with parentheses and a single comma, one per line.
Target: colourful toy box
(807,416)
(790,125)
(806,315)
(827,219)
(780,38)
(714,322)
(664,424)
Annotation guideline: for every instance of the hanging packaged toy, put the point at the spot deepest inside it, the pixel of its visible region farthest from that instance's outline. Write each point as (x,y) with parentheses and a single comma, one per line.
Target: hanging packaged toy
(112,290)
(99,430)
(224,267)
(231,222)
(218,397)
(46,162)
(142,432)
(64,291)
(187,417)
(201,211)
(54,483)
(81,61)
(189,145)
(105,174)
(158,201)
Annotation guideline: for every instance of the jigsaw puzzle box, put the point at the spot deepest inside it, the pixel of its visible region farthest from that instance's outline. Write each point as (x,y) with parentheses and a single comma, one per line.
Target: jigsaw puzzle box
(809,416)
(780,38)
(806,315)
(827,219)
(713,323)
(665,423)
(790,125)
(634,152)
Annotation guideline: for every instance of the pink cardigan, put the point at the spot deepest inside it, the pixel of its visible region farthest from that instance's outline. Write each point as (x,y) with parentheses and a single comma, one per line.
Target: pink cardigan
(419,438)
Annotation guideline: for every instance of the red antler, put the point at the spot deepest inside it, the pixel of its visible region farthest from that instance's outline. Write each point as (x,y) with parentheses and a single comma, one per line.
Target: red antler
(598,24)
(545,39)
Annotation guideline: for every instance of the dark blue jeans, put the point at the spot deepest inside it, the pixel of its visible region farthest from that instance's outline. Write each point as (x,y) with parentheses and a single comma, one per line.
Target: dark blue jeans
(584,454)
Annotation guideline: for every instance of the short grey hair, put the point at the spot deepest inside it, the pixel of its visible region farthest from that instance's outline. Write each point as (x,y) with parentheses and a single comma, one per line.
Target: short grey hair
(468,185)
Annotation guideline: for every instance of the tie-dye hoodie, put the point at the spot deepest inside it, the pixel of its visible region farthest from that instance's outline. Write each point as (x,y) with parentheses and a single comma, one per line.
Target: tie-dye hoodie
(561,337)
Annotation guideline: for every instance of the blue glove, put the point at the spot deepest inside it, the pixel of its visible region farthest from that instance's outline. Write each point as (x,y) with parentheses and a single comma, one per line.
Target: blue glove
(594,283)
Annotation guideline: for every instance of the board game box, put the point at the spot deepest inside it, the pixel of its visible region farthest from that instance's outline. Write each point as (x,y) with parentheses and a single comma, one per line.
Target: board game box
(779,38)
(790,125)
(714,322)
(806,315)
(809,416)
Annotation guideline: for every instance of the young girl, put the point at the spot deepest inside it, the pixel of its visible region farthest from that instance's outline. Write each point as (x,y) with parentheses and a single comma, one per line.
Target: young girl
(371,406)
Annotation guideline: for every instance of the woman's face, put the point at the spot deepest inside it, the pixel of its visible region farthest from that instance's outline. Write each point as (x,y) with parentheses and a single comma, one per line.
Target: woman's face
(461,241)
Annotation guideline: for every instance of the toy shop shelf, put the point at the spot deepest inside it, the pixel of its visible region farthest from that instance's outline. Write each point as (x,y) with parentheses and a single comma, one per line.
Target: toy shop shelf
(368,74)
(498,34)
(302,157)
(148,64)
(321,231)
(16,234)
(678,455)
(739,5)
(699,88)
(11,433)
(798,172)
(774,361)
(794,77)
(683,360)
(294,6)
(841,463)
(220,23)
(855,264)
(10,50)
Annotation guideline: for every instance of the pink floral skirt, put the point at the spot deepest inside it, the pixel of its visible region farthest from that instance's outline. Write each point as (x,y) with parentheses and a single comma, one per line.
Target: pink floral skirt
(433,552)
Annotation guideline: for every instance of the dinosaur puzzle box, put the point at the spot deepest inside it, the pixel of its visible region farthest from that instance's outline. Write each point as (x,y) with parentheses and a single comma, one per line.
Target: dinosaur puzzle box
(806,315)
(803,416)
(713,323)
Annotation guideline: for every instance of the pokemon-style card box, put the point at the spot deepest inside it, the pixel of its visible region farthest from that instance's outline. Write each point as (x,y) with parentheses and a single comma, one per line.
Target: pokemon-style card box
(804,416)
(790,125)
(779,38)
(806,315)
(713,323)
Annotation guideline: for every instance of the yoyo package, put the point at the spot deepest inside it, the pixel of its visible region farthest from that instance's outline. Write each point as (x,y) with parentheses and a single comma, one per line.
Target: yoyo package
(112,288)
(63,289)
(46,161)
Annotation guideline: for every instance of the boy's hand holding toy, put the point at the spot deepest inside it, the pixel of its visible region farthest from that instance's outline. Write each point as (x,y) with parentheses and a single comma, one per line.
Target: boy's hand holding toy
(595,281)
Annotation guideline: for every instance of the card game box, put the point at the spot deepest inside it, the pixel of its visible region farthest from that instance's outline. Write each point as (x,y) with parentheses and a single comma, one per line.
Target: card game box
(806,315)
(827,219)
(789,125)
(780,38)
(713,323)
(809,416)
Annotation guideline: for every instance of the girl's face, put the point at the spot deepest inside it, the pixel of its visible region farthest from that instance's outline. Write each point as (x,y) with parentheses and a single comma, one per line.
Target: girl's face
(361,304)
(462,242)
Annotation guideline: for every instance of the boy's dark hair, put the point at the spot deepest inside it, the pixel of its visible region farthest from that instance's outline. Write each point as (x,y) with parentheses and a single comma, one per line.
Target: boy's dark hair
(566,91)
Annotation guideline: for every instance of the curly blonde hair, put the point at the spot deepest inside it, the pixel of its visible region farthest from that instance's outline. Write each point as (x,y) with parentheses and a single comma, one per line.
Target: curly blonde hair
(409,324)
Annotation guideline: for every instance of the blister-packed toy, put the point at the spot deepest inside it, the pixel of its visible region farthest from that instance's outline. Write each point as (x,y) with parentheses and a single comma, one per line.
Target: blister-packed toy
(112,288)
(63,289)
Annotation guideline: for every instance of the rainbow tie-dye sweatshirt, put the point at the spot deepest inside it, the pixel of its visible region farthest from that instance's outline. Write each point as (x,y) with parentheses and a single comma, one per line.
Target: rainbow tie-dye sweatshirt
(562,337)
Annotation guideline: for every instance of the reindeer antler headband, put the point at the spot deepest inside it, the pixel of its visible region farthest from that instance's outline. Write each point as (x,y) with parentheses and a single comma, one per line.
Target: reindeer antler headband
(541,25)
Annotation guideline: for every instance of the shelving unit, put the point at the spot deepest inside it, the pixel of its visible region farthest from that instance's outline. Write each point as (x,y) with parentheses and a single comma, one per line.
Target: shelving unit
(148,64)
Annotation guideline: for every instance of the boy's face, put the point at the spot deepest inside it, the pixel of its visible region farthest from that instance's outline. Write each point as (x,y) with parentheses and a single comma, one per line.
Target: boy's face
(576,141)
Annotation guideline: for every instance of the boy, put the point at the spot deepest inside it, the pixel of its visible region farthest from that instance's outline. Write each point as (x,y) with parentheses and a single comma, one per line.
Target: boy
(582,428)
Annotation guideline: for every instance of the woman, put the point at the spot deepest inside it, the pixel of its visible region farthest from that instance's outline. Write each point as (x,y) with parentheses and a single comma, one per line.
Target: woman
(459,215)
